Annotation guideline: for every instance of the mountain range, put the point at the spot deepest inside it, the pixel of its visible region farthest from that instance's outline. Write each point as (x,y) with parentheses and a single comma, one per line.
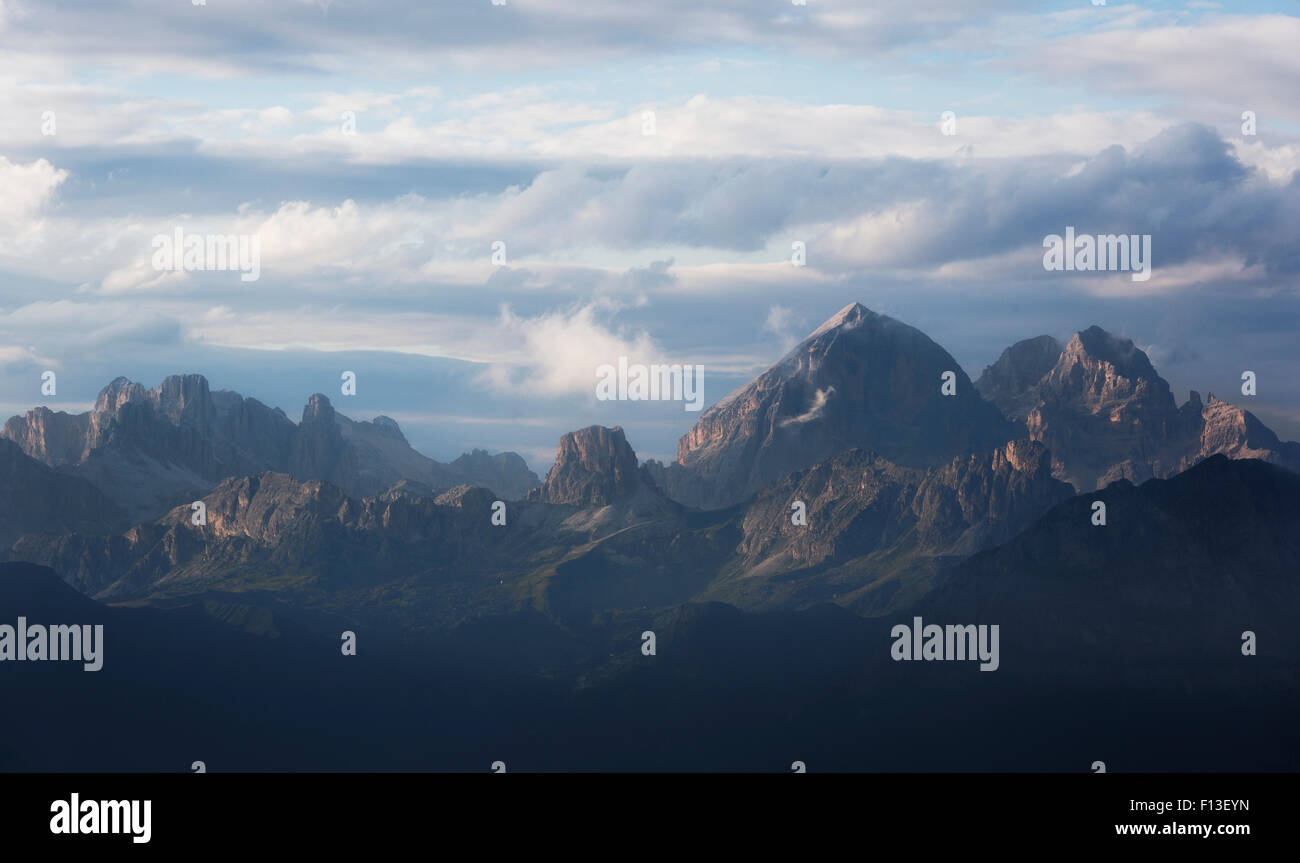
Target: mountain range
(898,481)
(149,450)
(1105,414)
(853,484)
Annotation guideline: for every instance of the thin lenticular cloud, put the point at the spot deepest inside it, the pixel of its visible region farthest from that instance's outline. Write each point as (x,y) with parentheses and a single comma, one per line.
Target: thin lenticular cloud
(311,36)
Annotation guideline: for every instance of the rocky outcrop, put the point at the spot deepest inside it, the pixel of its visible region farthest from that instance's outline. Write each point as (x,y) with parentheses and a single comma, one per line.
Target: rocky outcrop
(319,451)
(53,438)
(1237,433)
(410,488)
(150,449)
(1011,383)
(980,501)
(1105,414)
(593,467)
(860,380)
(470,497)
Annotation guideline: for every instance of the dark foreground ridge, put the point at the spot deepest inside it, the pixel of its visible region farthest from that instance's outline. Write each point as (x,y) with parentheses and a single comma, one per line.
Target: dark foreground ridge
(1128,653)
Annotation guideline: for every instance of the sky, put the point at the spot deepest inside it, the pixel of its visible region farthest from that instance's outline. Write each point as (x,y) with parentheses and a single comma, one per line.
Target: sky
(472,205)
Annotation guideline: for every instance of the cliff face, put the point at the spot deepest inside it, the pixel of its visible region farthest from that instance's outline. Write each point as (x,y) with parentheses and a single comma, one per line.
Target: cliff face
(860,380)
(149,450)
(594,466)
(1237,433)
(979,501)
(1105,414)
(1011,383)
(319,452)
(54,439)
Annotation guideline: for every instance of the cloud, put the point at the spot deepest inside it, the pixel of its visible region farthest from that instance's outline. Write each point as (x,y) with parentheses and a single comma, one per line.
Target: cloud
(785,325)
(27,189)
(562,350)
(682,227)
(814,410)
(522,124)
(1254,63)
(17,357)
(160,36)
(1278,164)
(1184,187)
(412,125)
(64,332)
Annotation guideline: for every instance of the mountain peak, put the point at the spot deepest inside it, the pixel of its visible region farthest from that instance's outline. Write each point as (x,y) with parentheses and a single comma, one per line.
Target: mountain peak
(848,318)
(389,427)
(184,398)
(862,380)
(318,408)
(120,391)
(593,466)
(179,398)
(148,450)
(505,472)
(1011,383)
(1127,358)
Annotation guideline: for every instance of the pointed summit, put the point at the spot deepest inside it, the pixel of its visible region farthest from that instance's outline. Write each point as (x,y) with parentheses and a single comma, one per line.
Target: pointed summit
(318,450)
(848,317)
(318,409)
(1105,414)
(1108,373)
(861,379)
(1118,351)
